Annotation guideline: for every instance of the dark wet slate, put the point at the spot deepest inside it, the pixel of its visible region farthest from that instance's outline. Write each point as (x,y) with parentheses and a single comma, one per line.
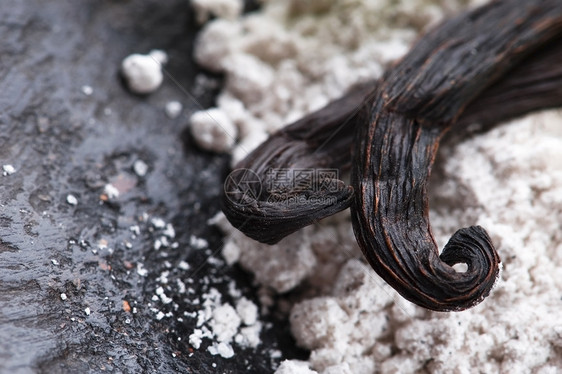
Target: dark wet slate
(63,142)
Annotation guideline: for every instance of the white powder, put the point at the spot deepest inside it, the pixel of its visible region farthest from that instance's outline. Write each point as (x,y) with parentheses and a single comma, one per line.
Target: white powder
(294,367)
(140,168)
(223,349)
(173,109)
(8,169)
(141,270)
(249,336)
(196,338)
(111,191)
(71,199)
(225,322)
(509,180)
(222,324)
(281,266)
(198,243)
(158,223)
(213,130)
(143,73)
(247,310)
(87,90)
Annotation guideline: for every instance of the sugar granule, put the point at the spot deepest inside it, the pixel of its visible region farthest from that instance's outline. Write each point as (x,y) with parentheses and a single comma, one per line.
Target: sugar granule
(111,191)
(71,199)
(140,168)
(87,90)
(223,349)
(8,169)
(143,73)
(213,130)
(173,109)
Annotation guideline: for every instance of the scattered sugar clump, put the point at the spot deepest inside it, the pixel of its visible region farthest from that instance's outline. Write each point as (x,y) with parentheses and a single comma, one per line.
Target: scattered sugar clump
(294,367)
(198,243)
(213,130)
(280,272)
(225,322)
(303,54)
(283,62)
(8,169)
(111,191)
(222,349)
(143,73)
(225,325)
(173,109)
(87,90)
(247,310)
(140,168)
(71,199)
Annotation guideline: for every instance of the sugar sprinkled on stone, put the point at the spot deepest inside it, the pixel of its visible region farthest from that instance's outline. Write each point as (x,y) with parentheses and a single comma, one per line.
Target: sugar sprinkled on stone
(111,191)
(143,73)
(140,168)
(173,109)
(213,130)
(87,90)
(71,199)
(8,169)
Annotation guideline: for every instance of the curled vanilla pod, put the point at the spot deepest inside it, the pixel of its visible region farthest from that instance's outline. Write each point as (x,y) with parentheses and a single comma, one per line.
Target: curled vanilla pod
(485,66)
(419,100)
(293,179)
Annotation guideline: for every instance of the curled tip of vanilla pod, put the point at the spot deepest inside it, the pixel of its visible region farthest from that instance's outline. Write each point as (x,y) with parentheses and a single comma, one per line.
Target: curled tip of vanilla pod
(294,179)
(467,70)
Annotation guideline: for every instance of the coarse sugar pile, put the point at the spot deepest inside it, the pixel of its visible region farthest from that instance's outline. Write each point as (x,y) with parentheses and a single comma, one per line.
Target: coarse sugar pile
(291,58)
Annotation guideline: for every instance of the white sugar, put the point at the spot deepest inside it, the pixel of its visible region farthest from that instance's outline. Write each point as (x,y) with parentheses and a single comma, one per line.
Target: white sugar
(71,199)
(8,169)
(143,73)
(173,109)
(140,168)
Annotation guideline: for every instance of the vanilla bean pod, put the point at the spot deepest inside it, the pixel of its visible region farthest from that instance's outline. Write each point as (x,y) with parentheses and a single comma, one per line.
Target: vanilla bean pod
(517,70)
(318,141)
(419,100)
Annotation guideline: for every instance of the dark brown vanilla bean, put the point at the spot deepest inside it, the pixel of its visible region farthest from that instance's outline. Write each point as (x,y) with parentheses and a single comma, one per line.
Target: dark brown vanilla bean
(535,83)
(485,66)
(419,100)
(267,207)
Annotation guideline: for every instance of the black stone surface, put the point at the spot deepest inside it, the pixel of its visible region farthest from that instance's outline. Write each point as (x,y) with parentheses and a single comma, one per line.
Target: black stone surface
(62,141)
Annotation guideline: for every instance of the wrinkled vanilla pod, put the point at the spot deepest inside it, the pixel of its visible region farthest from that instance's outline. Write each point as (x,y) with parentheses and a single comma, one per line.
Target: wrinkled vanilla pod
(262,198)
(517,70)
(419,100)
